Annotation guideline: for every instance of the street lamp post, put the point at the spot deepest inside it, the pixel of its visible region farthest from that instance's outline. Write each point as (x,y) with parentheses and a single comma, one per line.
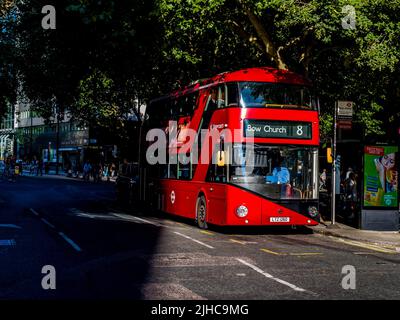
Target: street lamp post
(333,202)
(57,114)
(31,134)
(57,140)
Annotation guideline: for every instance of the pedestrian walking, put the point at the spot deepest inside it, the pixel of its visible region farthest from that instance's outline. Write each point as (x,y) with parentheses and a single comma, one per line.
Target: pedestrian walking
(39,170)
(87,169)
(322,179)
(351,196)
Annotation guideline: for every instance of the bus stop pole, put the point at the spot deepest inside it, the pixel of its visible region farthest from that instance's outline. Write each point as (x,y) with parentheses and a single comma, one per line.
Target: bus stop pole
(333,201)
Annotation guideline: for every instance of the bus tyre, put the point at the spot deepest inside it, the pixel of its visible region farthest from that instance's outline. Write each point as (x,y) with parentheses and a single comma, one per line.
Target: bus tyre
(201,212)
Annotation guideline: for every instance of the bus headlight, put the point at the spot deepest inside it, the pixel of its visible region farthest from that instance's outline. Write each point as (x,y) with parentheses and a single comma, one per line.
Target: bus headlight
(242,211)
(313,211)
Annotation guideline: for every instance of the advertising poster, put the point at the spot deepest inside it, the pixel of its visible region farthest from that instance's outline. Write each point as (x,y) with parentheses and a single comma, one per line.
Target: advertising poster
(380,176)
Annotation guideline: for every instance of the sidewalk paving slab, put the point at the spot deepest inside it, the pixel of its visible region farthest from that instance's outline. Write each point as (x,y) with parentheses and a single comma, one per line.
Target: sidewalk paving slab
(389,239)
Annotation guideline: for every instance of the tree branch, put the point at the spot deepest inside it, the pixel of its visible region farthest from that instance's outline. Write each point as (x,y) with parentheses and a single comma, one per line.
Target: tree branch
(269,45)
(236,27)
(296,40)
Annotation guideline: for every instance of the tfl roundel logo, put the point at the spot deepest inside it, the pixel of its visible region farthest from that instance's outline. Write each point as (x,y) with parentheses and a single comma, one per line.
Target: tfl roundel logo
(172,196)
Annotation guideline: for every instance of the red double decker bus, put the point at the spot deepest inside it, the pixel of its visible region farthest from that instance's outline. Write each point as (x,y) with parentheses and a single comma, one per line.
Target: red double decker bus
(261,168)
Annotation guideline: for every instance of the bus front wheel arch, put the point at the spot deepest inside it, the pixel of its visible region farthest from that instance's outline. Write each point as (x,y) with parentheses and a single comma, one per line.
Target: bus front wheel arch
(201,212)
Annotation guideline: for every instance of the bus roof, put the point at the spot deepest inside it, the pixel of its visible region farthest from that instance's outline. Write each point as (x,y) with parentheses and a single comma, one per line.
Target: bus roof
(261,74)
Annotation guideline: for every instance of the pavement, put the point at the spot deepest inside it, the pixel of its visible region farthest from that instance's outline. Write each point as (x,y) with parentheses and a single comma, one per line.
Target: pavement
(101,251)
(388,239)
(63,175)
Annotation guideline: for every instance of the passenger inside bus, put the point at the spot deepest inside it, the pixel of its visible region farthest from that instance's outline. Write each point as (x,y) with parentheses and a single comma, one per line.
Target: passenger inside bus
(280,174)
(213,103)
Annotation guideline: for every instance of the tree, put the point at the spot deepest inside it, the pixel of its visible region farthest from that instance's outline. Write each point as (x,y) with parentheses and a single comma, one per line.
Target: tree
(304,36)
(110,37)
(135,50)
(7,53)
(5,6)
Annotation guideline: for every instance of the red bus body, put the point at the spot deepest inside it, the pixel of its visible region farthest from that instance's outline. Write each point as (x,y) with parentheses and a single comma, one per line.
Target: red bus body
(179,197)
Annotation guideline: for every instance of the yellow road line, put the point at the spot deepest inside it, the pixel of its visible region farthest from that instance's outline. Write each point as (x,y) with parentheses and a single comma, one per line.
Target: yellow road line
(207,232)
(237,241)
(181,224)
(306,254)
(367,246)
(273,252)
(169,222)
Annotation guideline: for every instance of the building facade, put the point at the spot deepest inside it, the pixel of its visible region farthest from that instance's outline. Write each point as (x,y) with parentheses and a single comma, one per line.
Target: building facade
(7,134)
(35,137)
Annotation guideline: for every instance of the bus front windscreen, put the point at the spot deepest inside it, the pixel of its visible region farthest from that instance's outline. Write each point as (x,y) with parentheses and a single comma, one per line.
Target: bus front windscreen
(276,95)
(276,172)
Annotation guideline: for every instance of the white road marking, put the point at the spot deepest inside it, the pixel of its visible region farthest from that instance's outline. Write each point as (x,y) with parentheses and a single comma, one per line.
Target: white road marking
(362,253)
(13,226)
(243,242)
(194,240)
(270,276)
(133,218)
(7,243)
(34,212)
(81,214)
(61,234)
(70,241)
(48,223)
(168,291)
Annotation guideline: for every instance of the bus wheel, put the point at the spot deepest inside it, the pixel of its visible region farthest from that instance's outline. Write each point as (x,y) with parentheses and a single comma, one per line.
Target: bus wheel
(201,212)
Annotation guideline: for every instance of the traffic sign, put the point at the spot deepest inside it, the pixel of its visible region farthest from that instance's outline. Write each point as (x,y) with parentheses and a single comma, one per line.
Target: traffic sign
(345,109)
(344,124)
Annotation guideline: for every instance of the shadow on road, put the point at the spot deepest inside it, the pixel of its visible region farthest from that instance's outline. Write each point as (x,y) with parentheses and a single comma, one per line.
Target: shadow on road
(114,261)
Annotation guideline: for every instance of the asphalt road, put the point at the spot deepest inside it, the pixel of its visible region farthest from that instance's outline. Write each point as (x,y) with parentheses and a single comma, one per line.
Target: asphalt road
(101,251)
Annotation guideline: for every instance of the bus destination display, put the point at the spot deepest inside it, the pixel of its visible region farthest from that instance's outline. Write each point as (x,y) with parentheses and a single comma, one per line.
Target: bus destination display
(277,129)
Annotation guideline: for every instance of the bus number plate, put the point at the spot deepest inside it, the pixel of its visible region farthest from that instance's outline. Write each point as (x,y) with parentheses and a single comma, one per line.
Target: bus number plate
(279,219)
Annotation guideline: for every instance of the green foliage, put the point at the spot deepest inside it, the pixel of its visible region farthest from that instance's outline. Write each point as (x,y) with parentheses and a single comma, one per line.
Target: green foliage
(359,64)
(106,54)
(8,85)
(100,102)
(367,115)
(326,126)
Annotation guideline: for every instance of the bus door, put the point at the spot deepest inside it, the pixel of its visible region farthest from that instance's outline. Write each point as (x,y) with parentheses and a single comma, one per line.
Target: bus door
(217,176)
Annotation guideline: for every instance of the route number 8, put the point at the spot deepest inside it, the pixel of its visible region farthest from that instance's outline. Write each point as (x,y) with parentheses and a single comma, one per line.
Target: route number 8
(299,130)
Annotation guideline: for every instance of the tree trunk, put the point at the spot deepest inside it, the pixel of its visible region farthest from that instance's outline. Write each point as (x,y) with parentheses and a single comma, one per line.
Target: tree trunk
(270,48)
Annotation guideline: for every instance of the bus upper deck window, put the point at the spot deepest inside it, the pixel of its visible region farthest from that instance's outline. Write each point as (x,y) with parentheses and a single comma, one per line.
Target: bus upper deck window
(232,94)
(221,97)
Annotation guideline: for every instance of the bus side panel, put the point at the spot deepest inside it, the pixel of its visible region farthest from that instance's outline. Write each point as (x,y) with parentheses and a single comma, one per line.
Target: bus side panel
(179,198)
(216,196)
(237,197)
